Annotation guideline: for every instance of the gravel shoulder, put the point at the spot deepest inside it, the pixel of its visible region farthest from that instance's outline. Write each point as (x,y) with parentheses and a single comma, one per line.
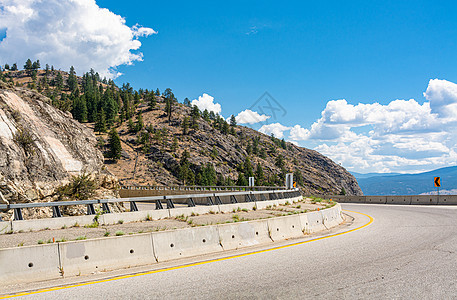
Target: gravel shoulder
(90,232)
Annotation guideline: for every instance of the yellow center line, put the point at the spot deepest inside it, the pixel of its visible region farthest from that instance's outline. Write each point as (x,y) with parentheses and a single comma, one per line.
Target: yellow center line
(189,265)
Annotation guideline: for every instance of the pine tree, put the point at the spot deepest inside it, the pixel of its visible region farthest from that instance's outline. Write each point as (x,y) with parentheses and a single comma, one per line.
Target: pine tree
(79,110)
(115,147)
(151,99)
(232,121)
(195,115)
(36,65)
(14,67)
(139,123)
(59,81)
(205,115)
(259,176)
(225,127)
(28,65)
(248,168)
(185,126)
(280,161)
(100,122)
(242,181)
(72,81)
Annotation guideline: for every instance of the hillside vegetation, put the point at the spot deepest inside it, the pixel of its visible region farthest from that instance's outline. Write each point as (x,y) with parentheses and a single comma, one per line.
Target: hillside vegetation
(148,137)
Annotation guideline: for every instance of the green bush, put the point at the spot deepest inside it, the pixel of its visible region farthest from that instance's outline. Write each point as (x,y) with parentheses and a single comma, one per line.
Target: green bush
(81,187)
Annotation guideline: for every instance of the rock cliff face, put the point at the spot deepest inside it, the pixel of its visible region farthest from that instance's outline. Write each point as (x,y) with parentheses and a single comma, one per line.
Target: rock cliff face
(40,147)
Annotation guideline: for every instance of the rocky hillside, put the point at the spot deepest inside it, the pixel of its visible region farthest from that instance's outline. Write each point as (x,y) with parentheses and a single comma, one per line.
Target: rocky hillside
(165,142)
(160,162)
(41,148)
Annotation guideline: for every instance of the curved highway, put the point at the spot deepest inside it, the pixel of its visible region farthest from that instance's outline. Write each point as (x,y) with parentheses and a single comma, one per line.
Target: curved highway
(406,252)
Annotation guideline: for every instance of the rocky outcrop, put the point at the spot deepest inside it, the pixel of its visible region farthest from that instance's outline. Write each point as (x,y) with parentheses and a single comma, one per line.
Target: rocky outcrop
(41,147)
(226,152)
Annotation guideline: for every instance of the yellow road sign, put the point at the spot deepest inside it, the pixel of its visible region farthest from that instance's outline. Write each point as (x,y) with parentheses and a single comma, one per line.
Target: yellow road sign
(437,181)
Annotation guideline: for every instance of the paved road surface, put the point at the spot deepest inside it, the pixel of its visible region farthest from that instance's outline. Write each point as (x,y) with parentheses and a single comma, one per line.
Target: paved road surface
(407,252)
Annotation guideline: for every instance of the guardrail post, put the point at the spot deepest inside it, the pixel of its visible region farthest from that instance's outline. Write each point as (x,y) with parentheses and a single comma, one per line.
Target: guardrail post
(56,212)
(133,206)
(218,199)
(159,204)
(90,209)
(247,198)
(105,208)
(190,202)
(253,197)
(18,214)
(262,197)
(170,203)
(210,200)
(233,199)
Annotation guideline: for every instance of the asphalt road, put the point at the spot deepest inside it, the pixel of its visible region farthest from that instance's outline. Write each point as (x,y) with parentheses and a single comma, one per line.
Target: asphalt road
(407,252)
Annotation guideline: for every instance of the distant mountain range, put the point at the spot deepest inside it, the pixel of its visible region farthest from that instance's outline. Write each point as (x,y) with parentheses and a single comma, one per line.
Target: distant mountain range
(408,184)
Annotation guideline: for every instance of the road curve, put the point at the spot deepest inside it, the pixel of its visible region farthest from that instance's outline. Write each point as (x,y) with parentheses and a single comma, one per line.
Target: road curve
(407,252)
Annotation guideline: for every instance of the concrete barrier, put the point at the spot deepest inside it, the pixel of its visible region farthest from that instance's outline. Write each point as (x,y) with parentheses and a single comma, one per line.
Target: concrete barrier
(51,223)
(225,208)
(315,222)
(424,200)
(265,204)
(355,199)
(187,211)
(406,200)
(332,217)
(29,263)
(88,256)
(134,216)
(237,235)
(376,199)
(5,227)
(445,200)
(283,228)
(186,242)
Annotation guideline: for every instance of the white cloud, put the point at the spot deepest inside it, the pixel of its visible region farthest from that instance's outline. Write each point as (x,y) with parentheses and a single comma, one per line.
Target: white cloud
(442,95)
(248,116)
(207,102)
(403,135)
(65,33)
(276,128)
(298,133)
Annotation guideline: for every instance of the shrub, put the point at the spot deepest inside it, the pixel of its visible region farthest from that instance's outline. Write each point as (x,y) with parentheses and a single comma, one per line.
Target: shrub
(81,187)
(26,140)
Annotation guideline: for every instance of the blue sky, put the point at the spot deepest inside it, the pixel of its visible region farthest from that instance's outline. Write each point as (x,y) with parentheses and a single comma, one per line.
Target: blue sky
(308,55)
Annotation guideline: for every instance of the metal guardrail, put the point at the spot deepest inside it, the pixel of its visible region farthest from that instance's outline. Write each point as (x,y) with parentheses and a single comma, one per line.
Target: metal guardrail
(170,200)
(202,188)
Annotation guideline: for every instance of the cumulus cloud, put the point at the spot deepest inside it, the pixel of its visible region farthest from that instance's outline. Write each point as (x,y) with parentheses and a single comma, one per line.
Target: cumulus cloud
(66,33)
(276,128)
(207,102)
(403,135)
(442,95)
(250,117)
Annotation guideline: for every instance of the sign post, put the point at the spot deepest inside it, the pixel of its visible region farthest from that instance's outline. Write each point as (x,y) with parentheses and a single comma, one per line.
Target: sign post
(251,181)
(289,180)
(437,181)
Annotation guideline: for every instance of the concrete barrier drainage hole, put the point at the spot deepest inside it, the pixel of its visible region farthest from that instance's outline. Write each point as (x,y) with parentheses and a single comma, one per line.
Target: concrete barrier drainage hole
(256,233)
(277,229)
(86,257)
(293,226)
(132,251)
(204,241)
(172,245)
(30,265)
(233,236)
